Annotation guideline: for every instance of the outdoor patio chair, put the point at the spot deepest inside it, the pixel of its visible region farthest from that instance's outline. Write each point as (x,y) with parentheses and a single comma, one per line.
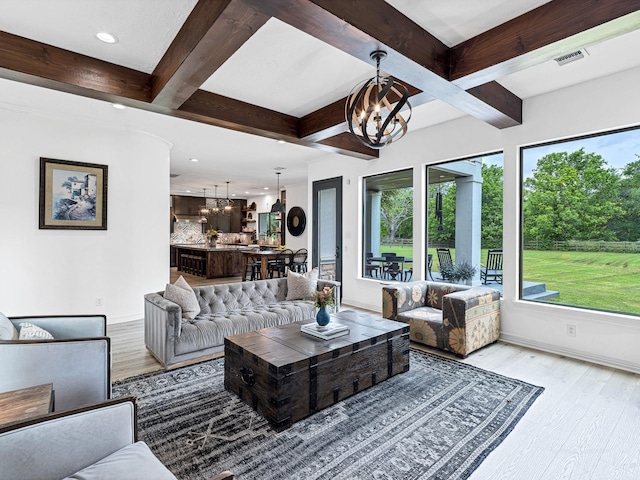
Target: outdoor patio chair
(492,270)
(394,268)
(446,263)
(371,268)
(429,265)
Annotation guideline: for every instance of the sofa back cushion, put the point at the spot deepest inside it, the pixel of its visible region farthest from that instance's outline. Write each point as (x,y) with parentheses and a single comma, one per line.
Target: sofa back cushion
(236,296)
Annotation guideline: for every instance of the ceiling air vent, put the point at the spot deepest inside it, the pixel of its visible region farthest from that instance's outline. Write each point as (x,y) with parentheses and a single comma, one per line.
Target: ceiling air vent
(571,57)
(174,175)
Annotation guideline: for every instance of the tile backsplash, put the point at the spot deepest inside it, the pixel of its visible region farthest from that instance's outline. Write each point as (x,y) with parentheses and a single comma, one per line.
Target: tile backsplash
(190,233)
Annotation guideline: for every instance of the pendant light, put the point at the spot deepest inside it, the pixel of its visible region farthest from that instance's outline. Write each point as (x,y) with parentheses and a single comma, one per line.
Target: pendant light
(204,211)
(278,207)
(215,209)
(227,203)
(373,108)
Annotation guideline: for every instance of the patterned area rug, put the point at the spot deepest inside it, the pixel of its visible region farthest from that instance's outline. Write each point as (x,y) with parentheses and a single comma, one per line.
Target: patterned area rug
(437,421)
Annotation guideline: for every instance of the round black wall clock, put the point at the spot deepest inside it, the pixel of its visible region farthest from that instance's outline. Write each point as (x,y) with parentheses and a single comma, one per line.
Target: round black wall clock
(296,221)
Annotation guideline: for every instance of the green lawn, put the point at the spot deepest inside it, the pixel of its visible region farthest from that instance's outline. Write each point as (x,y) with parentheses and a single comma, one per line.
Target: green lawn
(601,280)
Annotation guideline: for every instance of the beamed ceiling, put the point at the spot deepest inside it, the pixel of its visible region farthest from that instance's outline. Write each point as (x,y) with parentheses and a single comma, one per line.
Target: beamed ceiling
(464,75)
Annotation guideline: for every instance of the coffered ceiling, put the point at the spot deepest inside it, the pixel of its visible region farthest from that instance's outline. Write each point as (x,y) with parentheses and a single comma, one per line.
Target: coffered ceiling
(222,79)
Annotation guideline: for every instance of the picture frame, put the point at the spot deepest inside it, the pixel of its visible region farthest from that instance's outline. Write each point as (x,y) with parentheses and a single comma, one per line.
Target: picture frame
(73,195)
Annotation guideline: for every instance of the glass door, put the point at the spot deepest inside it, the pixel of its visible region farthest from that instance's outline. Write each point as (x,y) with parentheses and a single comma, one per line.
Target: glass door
(327,228)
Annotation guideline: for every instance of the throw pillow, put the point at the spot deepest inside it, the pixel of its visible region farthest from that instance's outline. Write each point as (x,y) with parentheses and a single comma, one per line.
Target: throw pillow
(182,294)
(7,330)
(302,285)
(29,331)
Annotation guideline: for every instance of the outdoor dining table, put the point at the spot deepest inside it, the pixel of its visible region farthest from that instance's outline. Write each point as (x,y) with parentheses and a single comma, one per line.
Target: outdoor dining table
(264,257)
(383,261)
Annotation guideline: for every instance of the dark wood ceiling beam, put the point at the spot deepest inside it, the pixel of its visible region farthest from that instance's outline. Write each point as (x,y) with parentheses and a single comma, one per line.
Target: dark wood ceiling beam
(347,144)
(556,28)
(28,61)
(359,27)
(236,115)
(213,32)
(214,109)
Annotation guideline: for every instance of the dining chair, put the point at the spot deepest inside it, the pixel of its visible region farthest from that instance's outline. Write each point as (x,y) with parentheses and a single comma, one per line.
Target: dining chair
(280,264)
(299,261)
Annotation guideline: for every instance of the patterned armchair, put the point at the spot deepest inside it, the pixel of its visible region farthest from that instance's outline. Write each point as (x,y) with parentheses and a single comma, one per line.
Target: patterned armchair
(455,318)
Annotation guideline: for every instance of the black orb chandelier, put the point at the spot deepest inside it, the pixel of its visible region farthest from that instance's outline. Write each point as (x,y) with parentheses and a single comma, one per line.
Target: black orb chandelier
(374,109)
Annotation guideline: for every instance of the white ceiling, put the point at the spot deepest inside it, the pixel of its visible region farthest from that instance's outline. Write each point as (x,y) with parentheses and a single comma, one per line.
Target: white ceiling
(278,68)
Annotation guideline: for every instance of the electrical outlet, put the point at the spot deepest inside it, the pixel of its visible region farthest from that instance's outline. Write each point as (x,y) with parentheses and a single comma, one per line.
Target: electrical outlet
(571,330)
(98,301)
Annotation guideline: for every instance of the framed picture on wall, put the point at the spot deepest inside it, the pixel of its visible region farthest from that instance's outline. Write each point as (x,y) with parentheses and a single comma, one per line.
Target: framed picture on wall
(73,195)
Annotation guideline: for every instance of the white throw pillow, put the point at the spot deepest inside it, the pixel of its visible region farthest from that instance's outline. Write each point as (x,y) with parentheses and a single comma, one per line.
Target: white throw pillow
(302,285)
(182,294)
(7,330)
(29,331)
(131,462)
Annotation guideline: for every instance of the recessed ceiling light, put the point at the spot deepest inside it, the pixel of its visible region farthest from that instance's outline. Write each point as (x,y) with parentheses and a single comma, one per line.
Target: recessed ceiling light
(281,142)
(247,193)
(266,188)
(193,159)
(261,193)
(119,106)
(188,191)
(107,37)
(233,194)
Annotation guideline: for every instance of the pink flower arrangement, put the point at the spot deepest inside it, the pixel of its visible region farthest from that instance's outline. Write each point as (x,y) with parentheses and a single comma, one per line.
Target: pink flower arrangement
(324,298)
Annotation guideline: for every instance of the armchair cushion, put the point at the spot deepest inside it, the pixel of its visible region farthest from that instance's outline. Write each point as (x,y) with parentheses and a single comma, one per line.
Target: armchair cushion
(29,331)
(7,330)
(133,462)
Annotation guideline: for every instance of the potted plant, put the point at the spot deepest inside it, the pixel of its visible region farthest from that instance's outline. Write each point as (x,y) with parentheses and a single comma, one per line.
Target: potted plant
(323,299)
(212,236)
(463,273)
(447,271)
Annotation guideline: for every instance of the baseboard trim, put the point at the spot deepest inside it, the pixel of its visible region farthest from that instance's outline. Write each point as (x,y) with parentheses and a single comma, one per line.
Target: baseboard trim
(568,352)
(124,318)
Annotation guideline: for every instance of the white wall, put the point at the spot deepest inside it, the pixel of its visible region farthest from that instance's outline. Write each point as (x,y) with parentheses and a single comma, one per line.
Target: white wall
(606,103)
(296,197)
(64,271)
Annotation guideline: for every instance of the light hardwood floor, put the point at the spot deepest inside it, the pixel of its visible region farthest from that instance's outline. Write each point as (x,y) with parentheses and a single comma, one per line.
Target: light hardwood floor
(585,426)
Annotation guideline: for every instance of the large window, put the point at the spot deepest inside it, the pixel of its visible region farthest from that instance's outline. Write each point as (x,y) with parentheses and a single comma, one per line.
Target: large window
(388,225)
(581,222)
(464,218)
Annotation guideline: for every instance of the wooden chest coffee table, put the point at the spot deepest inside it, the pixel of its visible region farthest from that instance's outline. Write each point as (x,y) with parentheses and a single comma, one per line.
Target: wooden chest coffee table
(286,375)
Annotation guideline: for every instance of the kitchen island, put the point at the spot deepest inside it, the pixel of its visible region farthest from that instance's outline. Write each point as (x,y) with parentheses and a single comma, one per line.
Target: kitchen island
(210,262)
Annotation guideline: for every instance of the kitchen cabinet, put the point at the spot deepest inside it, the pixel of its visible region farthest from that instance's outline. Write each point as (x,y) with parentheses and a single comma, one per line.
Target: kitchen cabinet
(209,262)
(182,205)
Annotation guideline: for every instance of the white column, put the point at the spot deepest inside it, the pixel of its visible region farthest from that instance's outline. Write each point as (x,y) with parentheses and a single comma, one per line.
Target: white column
(468,221)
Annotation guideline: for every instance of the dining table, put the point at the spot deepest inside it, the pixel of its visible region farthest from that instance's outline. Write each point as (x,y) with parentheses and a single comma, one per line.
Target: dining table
(263,256)
(384,260)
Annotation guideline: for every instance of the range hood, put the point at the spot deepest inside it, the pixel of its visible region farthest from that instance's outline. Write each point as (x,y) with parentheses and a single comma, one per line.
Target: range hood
(186,218)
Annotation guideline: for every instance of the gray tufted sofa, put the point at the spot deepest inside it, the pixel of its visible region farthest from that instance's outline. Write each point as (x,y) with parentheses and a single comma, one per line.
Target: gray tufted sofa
(226,309)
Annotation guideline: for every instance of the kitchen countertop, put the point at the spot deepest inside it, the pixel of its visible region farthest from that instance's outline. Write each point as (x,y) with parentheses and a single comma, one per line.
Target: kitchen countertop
(220,248)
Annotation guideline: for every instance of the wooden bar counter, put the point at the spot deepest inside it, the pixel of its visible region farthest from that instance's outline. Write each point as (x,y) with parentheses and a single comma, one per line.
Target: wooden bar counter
(210,262)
